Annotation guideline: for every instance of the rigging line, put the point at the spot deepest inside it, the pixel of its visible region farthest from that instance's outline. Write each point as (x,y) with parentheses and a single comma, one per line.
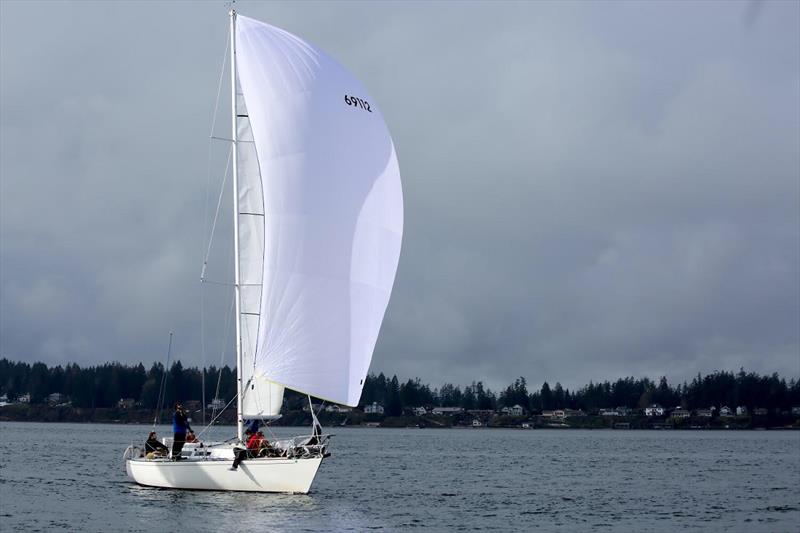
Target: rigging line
(205,231)
(215,418)
(203,354)
(216,215)
(223,283)
(230,284)
(162,389)
(213,125)
(219,85)
(222,354)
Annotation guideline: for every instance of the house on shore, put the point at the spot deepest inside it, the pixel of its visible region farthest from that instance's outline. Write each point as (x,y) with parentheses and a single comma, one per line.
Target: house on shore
(481,413)
(373,409)
(725,411)
(316,406)
(335,408)
(56,398)
(516,410)
(741,411)
(216,404)
(680,412)
(447,411)
(654,410)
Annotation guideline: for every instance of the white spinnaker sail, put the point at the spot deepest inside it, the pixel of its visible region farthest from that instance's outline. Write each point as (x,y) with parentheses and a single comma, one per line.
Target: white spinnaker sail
(260,398)
(333,209)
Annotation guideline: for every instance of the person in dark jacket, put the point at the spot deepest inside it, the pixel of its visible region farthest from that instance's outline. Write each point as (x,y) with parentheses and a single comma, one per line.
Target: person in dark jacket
(153,446)
(180,425)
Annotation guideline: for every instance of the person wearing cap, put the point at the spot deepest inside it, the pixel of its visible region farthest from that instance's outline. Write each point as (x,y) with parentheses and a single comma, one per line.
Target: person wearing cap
(153,447)
(180,425)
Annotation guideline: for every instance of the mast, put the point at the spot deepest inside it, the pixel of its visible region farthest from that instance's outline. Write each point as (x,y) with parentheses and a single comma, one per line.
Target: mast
(236,280)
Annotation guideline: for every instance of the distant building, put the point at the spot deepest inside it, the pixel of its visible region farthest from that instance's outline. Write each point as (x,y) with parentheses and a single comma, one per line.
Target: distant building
(680,412)
(334,408)
(447,410)
(191,406)
(516,410)
(126,403)
(482,413)
(419,411)
(741,410)
(654,410)
(476,423)
(55,398)
(623,411)
(608,412)
(561,414)
(705,413)
(725,411)
(373,409)
(760,411)
(217,404)
(316,406)
(795,409)
(25,398)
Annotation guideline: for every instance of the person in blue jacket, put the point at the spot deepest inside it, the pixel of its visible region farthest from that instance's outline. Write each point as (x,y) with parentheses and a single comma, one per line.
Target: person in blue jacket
(180,425)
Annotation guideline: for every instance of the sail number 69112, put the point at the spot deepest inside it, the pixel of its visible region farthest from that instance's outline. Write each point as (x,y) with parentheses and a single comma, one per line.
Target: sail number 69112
(357,102)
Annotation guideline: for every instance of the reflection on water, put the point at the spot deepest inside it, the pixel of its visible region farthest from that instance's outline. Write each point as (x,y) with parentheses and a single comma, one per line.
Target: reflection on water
(439,479)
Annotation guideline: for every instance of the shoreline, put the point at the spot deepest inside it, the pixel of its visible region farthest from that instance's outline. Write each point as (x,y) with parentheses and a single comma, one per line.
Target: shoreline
(66,414)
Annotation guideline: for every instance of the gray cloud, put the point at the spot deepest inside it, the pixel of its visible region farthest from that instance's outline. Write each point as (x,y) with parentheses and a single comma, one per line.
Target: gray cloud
(591,190)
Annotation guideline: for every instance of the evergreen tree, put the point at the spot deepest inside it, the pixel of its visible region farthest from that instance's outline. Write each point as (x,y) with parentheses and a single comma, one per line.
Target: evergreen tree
(394,405)
(548,403)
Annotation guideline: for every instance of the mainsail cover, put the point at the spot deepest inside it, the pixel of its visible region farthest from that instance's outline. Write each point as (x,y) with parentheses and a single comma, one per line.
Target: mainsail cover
(333,211)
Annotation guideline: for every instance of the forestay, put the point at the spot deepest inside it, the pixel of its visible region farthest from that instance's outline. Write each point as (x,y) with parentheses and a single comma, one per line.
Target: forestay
(333,215)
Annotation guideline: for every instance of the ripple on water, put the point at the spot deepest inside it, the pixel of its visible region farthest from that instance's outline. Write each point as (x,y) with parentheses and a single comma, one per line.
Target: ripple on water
(401,479)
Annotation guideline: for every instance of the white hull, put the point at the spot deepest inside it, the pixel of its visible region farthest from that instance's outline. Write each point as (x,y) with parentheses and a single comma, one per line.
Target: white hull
(254,475)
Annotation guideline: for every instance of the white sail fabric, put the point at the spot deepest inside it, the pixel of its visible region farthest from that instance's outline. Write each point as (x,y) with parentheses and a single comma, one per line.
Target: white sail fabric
(260,398)
(333,209)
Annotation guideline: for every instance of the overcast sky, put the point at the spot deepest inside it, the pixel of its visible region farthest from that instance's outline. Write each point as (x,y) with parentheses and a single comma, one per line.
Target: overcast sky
(591,190)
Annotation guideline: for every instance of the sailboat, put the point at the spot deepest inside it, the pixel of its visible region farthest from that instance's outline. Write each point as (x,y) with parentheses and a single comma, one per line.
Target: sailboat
(318,223)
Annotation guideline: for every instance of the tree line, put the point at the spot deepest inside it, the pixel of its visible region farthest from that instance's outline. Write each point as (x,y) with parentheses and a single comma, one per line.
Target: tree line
(104,385)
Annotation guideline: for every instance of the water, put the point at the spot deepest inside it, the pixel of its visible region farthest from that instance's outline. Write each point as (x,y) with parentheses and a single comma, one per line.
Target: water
(440,480)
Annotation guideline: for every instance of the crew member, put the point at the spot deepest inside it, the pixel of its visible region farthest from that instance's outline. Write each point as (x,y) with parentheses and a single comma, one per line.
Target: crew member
(180,425)
(153,447)
(253,442)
